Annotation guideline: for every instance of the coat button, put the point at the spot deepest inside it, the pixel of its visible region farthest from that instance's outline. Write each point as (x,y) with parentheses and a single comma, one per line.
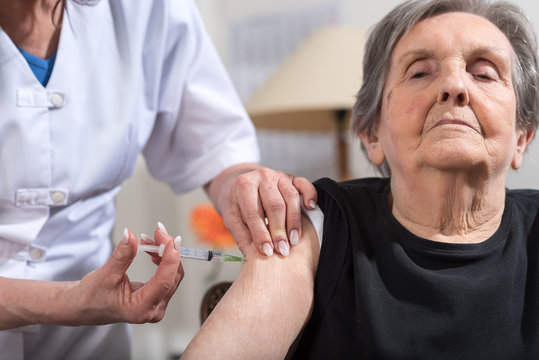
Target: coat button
(36,254)
(57,99)
(58,197)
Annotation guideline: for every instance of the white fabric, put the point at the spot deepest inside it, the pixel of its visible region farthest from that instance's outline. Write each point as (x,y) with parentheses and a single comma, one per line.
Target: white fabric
(129,77)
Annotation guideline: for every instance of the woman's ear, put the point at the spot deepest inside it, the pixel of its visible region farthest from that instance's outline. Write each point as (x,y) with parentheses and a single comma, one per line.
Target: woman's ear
(523,140)
(373,146)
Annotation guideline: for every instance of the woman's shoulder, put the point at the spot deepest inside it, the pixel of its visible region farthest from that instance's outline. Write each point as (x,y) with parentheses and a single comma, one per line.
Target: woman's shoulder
(347,197)
(524,195)
(523,205)
(527,199)
(372,185)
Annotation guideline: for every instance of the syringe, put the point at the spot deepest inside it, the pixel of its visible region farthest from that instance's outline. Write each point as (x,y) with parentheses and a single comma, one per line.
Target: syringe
(192,253)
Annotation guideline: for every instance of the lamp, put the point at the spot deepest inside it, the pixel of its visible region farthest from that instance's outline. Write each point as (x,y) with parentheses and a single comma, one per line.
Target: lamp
(315,88)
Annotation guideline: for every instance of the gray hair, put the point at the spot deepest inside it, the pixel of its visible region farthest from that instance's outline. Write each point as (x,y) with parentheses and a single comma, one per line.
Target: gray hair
(509,19)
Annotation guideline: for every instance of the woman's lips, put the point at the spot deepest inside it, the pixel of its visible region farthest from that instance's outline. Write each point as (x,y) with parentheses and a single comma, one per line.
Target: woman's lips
(452,121)
(456,122)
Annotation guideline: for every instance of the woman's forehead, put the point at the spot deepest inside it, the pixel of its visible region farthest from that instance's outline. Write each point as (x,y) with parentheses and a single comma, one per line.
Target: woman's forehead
(455,31)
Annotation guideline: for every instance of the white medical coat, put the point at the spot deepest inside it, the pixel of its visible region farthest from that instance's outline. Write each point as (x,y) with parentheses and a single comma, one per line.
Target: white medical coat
(130,77)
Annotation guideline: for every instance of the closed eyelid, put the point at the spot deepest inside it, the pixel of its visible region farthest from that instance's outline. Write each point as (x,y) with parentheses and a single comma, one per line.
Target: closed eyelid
(408,59)
(484,67)
(494,56)
(420,66)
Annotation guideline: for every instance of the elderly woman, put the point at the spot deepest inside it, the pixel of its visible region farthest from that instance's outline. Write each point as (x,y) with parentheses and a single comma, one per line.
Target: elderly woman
(439,260)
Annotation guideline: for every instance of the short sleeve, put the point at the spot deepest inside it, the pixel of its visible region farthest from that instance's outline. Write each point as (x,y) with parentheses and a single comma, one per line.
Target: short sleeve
(201,126)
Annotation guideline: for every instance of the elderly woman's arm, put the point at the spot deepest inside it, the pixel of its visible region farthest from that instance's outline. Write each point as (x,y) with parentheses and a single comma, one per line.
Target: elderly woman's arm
(265,308)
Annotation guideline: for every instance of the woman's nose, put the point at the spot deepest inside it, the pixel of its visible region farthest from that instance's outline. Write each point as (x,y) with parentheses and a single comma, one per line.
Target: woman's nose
(453,89)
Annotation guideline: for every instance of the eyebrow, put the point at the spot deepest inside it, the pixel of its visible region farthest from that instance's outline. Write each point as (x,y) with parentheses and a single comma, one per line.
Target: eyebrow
(497,52)
(416,54)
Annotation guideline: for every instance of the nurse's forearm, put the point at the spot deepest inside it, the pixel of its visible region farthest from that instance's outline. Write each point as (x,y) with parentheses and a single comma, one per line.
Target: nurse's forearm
(25,302)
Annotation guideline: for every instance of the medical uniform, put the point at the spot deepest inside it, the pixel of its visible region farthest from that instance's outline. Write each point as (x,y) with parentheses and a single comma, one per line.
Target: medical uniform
(129,77)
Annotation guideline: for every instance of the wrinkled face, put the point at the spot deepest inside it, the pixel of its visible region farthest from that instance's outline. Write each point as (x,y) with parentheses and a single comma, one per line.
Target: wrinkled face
(449,102)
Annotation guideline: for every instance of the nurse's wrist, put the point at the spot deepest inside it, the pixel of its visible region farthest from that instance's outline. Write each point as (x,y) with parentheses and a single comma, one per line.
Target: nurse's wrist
(71,310)
(85,306)
(58,305)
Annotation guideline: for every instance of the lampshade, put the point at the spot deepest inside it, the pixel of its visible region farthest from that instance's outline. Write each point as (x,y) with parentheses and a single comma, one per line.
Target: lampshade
(323,75)
(315,87)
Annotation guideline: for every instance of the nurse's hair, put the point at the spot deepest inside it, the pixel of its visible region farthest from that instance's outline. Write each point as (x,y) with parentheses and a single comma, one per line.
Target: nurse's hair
(53,12)
(508,18)
(58,2)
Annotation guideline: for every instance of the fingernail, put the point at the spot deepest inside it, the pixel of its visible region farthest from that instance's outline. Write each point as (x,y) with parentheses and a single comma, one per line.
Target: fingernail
(147,238)
(125,237)
(162,228)
(283,248)
(267,249)
(294,237)
(312,204)
(178,242)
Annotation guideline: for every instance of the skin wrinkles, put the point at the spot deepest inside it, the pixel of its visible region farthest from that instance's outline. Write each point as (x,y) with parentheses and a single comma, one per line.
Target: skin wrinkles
(484,53)
(464,224)
(459,116)
(447,127)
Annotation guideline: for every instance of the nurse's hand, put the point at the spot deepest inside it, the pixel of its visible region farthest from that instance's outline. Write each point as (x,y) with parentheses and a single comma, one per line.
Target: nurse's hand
(107,295)
(247,194)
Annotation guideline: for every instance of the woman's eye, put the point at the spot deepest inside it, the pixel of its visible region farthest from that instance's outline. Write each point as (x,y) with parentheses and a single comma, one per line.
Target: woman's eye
(483,77)
(419,69)
(484,71)
(419,75)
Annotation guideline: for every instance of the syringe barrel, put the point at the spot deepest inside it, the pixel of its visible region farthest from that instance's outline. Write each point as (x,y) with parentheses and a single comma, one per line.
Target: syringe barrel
(192,253)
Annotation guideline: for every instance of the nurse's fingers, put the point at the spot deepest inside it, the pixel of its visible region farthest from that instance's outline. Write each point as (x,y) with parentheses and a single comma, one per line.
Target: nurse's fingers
(245,216)
(122,256)
(238,228)
(152,299)
(161,236)
(307,191)
(275,207)
(280,196)
(292,199)
(291,188)
(147,240)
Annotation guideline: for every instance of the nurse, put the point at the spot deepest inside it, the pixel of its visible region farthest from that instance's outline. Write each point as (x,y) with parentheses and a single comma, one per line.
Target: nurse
(87,86)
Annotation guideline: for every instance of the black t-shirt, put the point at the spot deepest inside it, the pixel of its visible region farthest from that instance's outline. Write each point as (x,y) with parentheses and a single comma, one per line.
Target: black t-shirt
(383,293)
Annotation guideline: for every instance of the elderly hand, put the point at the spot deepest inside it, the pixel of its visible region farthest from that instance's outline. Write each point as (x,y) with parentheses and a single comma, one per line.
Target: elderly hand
(107,294)
(246,198)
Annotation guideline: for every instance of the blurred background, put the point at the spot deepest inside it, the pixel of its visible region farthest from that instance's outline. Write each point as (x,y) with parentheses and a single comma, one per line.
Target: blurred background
(296,64)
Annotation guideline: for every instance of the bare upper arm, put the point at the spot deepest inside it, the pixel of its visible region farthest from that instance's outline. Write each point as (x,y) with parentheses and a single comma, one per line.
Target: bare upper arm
(266,306)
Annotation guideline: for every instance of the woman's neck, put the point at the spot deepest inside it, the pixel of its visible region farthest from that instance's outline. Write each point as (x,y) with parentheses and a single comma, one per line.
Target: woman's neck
(448,207)
(29,24)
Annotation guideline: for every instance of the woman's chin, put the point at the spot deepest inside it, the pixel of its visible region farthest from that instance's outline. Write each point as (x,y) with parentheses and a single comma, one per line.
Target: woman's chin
(456,158)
